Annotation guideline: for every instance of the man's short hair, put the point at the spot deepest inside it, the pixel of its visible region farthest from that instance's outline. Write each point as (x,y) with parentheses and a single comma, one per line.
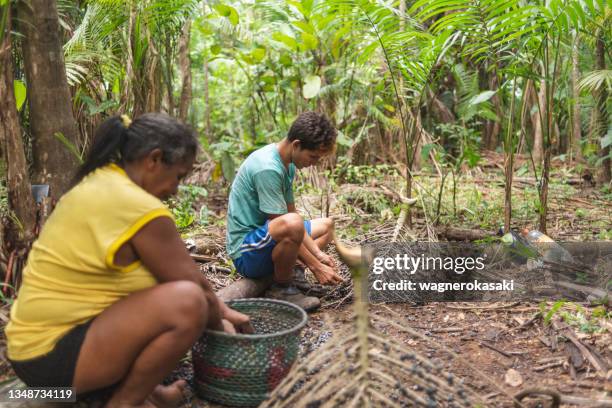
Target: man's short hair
(314,131)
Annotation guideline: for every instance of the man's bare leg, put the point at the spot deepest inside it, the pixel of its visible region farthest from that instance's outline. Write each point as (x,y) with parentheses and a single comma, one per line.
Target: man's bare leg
(139,340)
(288,232)
(322,231)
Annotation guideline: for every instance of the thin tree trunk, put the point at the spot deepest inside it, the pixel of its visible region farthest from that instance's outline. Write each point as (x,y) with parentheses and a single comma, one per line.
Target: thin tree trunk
(576,130)
(527,105)
(48,96)
(152,75)
(601,98)
(491,128)
(494,126)
(207,101)
(538,116)
(509,163)
(168,77)
(20,197)
(416,165)
(129,83)
(185,64)
(549,129)
(544,191)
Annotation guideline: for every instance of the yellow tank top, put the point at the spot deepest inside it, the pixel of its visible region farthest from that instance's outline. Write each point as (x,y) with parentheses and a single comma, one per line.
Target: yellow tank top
(70,276)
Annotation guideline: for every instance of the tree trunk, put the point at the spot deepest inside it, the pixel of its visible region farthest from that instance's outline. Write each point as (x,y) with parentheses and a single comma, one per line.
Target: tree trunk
(601,99)
(185,64)
(576,130)
(537,118)
(207,128)
(130,86)
(168,76)
(48,96)
(152,75)
(494,126)
(20,197)
(490,128)
(418,146)
(509,163)
(526,106)
(544,191)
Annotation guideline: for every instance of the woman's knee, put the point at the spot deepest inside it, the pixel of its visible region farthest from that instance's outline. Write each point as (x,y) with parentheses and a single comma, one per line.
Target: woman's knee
(187,304)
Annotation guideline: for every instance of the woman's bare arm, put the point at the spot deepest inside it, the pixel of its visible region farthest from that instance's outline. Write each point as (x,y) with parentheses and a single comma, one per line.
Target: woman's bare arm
(160,248)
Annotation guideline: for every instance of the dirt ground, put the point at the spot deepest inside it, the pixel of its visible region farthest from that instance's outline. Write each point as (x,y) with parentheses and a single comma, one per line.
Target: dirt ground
(489,340)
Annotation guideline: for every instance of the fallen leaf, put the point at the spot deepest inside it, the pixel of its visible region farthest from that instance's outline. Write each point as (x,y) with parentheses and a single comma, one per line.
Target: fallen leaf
(513,378)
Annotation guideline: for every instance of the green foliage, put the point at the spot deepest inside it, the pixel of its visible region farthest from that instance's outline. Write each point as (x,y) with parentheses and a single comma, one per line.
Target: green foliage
(595,80)
(229,12)
(355,174)
(548,315)
(605,235)
(94,108)
(461,145)
(312,85)
(360,201)
(4,299)
(183,206)
(70,146)
(580,212)
(471,102)
(575,315)
(20,93)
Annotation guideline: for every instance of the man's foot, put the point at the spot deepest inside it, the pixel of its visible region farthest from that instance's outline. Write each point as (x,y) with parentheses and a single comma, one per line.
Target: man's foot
(299,278)
(292,294)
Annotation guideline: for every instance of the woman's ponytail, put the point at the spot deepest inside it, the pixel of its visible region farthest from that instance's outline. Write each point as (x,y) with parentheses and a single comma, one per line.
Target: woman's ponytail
(107,146)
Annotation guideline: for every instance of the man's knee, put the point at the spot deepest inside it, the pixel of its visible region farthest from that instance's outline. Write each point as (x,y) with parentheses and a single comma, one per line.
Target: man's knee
(291,226)
(328,225)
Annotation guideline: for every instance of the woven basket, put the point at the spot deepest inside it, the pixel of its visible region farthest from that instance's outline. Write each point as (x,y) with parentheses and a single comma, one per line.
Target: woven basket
(242,369)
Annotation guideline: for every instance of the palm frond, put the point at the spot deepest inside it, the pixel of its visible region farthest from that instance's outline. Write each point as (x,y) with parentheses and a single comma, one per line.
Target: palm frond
(595,80)
(490,27)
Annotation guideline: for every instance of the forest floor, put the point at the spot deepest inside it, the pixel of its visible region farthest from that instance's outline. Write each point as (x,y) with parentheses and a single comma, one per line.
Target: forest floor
(502,348)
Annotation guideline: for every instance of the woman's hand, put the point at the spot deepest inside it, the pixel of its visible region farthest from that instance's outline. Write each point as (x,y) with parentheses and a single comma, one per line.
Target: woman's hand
(228,327)
(240,321)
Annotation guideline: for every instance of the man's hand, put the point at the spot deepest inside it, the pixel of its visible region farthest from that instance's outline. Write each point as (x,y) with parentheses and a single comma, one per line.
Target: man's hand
(326,275)
(327,260)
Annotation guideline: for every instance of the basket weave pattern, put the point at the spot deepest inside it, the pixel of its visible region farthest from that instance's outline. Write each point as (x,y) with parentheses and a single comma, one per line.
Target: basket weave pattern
(241,370)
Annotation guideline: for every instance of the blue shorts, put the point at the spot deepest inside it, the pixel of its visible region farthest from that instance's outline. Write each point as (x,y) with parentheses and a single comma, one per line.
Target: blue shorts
(255,260)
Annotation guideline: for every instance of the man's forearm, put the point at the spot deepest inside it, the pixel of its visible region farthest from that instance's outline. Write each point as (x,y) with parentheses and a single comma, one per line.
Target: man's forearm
(308,252)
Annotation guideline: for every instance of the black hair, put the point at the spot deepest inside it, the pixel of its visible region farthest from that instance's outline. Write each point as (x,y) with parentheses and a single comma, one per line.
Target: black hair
(114,142)
(313,130)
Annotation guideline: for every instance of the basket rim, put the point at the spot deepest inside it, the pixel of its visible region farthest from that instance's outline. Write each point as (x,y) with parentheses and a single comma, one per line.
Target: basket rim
(243,336)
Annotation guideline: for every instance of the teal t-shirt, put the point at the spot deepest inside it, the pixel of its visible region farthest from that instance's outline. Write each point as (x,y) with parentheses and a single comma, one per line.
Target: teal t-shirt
(262,186)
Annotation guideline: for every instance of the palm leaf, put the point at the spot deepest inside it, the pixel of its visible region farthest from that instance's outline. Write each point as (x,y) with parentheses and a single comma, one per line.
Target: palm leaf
(595,80)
